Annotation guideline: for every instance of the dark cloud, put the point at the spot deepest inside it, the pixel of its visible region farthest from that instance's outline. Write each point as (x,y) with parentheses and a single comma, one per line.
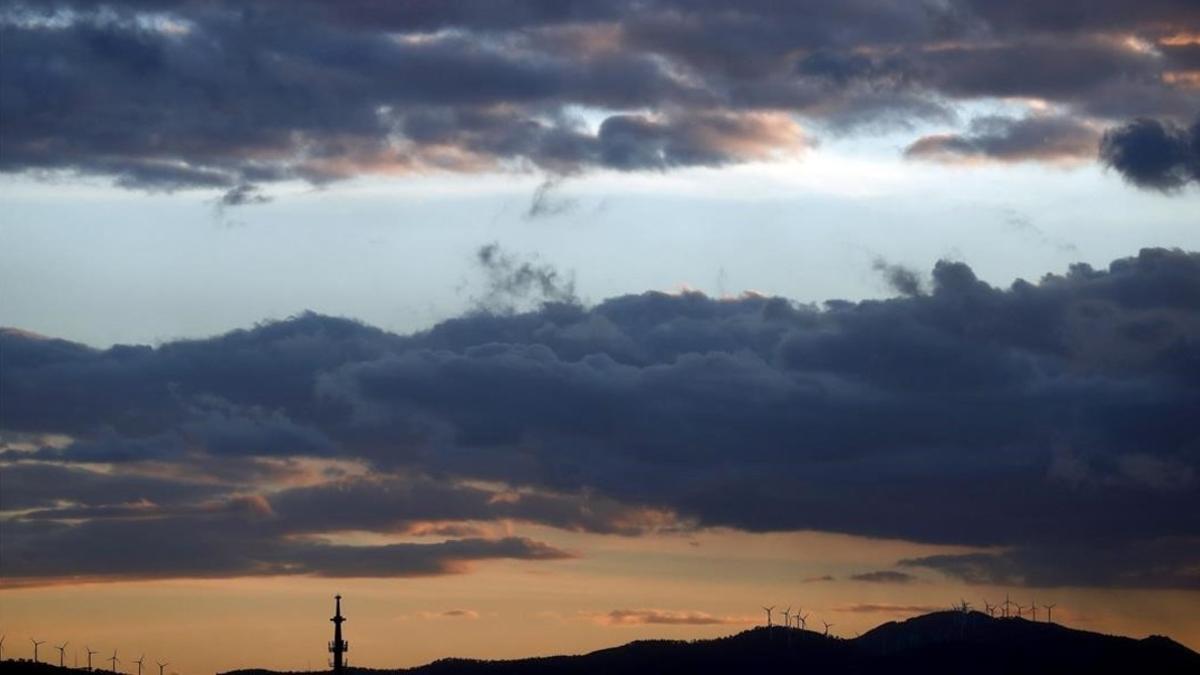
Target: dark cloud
(1026,16)
(1005,139)
(221,95)
(29,486)
(460,614)
(223,544)
(1168,562)
(511,281)
(404,504)
(242,195)
(884,577)
(1054,68)
(916,417)
(1154,154)
(416,505)
(901,279)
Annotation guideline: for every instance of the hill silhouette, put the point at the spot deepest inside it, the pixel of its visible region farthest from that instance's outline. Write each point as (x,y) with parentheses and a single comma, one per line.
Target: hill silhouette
(942,642)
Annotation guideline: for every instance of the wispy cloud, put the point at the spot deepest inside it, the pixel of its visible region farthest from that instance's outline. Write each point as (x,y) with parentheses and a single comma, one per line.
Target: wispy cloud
(468,614)
(877,608)
(636,617)
(884,577)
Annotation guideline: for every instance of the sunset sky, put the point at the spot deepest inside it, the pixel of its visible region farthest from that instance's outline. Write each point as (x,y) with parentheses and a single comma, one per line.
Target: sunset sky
(540,326)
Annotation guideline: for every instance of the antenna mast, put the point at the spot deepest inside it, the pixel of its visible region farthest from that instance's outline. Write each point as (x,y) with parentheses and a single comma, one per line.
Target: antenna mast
(338,647)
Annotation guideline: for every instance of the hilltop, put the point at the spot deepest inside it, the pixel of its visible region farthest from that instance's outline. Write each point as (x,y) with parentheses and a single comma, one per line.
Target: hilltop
(942,642)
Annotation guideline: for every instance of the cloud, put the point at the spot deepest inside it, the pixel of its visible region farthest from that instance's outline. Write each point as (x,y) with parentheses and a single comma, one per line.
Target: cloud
(1165,562)
(240,195)
(1005,139)
(901,279)
(884,577)
(546,203)
(220,95)
(223,543)
(1154,154)
(30,486)
(814,580)
(867,608)
(511,280)
(914,417)
(640,617)
(452,614)
(444,530)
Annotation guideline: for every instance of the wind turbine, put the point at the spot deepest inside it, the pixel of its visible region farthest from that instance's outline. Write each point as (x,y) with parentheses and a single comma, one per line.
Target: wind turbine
(139,662)
(61,649)
(1033,610)
(1048,608)
(768,610)
(161,666)
(90,651)
(35,646)
(827,627)
(803,621)
(1007,604)
(988,607)
(963,606)
(787,617)
(114,661)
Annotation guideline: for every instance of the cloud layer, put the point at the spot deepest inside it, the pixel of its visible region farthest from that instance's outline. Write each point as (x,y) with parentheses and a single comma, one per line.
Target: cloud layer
(1051,423)
(170,93)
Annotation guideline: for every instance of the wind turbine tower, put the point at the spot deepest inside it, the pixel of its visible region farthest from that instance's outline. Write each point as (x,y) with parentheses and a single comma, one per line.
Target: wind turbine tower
(338,647)
(35,646)
(61,650)
(1048,608)
(827,627)
(768,610)
(161,666)
(90,651)
(139,662)
(114,661)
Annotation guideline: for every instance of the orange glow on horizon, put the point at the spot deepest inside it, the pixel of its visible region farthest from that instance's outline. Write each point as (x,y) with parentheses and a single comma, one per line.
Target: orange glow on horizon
(701,584)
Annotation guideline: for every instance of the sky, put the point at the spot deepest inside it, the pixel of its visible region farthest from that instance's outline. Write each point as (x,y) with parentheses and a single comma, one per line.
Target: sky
(538,327)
